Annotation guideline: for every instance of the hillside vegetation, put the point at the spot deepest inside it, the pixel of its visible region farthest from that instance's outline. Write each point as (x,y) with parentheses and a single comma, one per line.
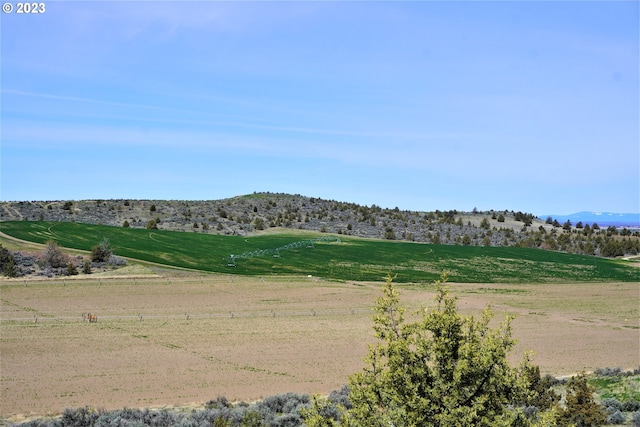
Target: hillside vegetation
(343,258)
(255,213)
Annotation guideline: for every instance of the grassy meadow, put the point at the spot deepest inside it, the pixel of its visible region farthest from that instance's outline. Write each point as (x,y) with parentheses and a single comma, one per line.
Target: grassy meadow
(347,259)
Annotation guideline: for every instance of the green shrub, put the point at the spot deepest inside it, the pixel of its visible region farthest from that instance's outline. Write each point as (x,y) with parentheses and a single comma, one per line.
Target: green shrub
(580,406)
(251,418)
(80,417)
(218,403)
(101,252)
(72,270)
(53,256)
(7,263)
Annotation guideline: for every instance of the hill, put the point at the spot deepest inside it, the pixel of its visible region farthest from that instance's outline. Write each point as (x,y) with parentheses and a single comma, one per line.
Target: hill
(259,212)
(328,256)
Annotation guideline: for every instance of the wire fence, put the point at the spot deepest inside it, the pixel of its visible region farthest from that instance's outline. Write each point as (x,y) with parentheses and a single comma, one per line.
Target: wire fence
(216,279)
(140,317)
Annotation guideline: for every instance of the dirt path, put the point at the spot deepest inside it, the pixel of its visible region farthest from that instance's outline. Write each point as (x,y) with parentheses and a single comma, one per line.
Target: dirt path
(27,243)
(13,212)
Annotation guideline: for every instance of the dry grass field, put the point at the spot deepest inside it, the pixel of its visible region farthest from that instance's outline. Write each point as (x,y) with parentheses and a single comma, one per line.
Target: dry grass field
(178,340)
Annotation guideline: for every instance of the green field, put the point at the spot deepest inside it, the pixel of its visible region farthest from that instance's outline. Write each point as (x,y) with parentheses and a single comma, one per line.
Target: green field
(347,259)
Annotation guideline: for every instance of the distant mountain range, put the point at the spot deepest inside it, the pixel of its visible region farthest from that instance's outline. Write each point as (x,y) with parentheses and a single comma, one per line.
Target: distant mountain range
(602,218)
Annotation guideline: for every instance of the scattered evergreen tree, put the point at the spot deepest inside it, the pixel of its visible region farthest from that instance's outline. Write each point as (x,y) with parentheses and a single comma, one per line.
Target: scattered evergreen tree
(543,396)
(580,408)
(86,266)
(612,231)
(72,270)
(612,248)
(9,268)
(7,263)
(389,234)
(258,223)
(485,224)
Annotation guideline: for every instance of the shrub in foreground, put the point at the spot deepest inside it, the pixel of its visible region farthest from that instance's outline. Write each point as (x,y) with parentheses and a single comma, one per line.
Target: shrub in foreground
(445,369)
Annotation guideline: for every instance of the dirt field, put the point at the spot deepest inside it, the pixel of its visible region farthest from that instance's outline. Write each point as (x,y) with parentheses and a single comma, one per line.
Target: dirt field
(175,341)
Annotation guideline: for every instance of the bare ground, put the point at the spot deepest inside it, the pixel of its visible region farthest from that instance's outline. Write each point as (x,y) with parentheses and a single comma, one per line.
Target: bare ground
(175,341)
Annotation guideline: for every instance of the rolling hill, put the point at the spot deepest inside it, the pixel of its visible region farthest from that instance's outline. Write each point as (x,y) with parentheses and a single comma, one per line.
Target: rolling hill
(254,214)
(340,258)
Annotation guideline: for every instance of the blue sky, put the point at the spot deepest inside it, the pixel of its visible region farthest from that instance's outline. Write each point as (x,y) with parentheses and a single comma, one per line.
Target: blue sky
(530,106)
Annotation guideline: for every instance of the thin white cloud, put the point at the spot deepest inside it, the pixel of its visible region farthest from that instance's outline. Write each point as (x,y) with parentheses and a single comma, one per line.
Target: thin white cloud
(239,123)
(136,140)
(84,100)
(435,91)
